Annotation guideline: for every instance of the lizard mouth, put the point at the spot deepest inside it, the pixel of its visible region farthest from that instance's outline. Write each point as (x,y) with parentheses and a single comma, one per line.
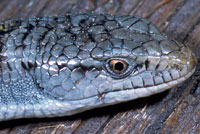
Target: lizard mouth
(126,95)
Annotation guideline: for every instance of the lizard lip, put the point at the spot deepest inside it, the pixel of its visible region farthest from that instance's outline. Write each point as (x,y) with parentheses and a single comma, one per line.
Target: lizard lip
(126,95)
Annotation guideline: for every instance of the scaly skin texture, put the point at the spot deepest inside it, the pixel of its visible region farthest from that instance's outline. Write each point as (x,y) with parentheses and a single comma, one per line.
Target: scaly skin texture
(56,66)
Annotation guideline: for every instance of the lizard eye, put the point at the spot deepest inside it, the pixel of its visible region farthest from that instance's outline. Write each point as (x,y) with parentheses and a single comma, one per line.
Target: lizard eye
(118,66)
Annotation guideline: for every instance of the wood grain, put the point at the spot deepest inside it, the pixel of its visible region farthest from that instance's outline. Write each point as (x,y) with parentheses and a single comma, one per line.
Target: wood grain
(176,111)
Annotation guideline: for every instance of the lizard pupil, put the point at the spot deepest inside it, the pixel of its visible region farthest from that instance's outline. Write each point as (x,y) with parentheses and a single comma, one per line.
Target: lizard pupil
(119,66)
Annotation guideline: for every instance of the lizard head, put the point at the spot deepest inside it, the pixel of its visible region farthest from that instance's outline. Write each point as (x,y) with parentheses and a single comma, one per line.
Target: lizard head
(115,59)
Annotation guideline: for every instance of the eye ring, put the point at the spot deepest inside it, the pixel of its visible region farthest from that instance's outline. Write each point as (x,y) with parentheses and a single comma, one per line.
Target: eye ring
(118,66)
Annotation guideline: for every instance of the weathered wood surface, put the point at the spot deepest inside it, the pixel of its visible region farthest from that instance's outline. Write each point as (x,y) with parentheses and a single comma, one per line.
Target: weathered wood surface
(176,111)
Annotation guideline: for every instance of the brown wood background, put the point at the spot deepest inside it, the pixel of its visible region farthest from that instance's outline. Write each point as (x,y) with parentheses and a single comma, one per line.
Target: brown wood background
(176,111)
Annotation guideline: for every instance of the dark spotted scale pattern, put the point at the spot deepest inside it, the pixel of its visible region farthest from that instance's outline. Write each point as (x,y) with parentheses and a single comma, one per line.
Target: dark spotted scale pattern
(59,65)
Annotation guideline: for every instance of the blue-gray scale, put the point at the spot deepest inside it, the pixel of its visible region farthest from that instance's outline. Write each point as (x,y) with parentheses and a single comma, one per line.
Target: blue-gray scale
(61,65)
